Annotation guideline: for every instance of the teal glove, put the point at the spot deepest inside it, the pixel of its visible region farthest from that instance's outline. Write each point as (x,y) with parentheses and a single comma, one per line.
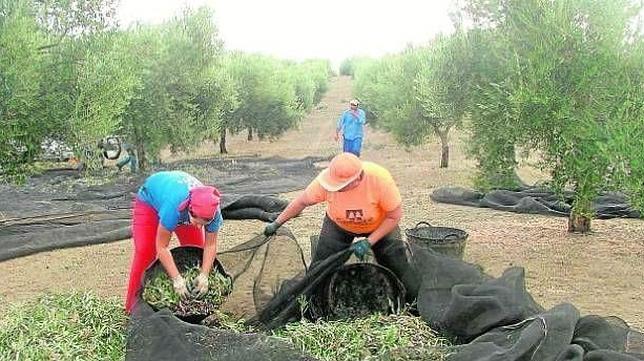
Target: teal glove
(271,229)
(360,248)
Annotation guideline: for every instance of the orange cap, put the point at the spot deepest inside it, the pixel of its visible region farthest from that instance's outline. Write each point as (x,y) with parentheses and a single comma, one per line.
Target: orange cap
(344,169)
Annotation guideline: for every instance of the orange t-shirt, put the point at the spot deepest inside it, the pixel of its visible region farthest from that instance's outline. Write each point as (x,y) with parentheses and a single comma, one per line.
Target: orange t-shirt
(362,209)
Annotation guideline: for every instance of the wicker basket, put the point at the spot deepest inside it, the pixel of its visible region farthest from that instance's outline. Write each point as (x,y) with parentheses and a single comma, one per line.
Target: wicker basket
(444,240)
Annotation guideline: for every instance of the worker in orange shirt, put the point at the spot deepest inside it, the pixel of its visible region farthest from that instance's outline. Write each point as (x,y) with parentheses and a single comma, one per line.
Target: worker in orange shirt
(364,208)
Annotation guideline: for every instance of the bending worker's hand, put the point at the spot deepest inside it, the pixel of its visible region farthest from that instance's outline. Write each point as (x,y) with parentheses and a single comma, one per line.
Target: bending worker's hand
(360,248)
(271,228)
(180,287)
(200,285)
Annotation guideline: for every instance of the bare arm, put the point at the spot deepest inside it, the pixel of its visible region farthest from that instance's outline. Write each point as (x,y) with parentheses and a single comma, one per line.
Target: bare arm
(293,209)
(165,257)
(390,223)
(338,129)
(209,252)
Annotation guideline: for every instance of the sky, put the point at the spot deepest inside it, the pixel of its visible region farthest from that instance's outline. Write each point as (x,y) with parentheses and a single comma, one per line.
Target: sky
(302,29)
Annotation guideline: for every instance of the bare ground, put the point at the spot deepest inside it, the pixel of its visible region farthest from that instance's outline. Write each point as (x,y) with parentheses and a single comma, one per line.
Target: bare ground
(600,273)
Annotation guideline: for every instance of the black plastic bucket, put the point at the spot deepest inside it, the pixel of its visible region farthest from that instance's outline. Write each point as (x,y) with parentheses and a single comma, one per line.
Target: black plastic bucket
(444,240)
(360,289)
(185,257)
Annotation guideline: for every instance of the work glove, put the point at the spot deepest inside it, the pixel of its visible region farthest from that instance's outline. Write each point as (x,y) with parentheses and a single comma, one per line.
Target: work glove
(180,287)
(360,248)
(200,285)
(271,229)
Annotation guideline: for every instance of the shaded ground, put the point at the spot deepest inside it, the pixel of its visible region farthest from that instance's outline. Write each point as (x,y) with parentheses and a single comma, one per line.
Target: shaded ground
(58,209)
(600,273)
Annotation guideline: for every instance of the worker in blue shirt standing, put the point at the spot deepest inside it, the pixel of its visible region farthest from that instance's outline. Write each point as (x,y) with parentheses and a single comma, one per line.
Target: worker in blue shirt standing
(350,127)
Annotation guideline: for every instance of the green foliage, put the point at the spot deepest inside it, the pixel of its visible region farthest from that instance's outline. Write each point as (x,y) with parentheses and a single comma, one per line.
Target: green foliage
(21,65)
(106,81)
(347,67)
(311,82)
(625,145)
(377,337)
(369,88)
(218,97)
(351,65)
(492,123)
(146,117)
(626,151)
(65,19)
(419,92)
(273,95)
(226,321)
(160,293)
(441,84)
(568,82)
(266,93)
(319,71)
(385,88)
(68,74)
(401,111)
(177,105)
(88,78)
(82,326)
(77,72)
(77,326)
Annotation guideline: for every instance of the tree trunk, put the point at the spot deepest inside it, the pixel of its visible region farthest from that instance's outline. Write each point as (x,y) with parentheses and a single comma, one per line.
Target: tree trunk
(444,152)
(578,223)
(582,209)
(140,150)
(442,134)
(250,134)
(222,142)
(444,156)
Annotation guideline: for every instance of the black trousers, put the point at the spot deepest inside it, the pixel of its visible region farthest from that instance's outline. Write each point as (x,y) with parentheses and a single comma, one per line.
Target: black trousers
(390,252)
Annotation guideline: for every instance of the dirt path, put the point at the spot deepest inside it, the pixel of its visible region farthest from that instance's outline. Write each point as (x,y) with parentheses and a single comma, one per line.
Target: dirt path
(600,273)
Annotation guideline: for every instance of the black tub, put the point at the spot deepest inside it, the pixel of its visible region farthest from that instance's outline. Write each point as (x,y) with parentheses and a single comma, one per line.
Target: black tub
(360,289)
(185,257)
(447,241)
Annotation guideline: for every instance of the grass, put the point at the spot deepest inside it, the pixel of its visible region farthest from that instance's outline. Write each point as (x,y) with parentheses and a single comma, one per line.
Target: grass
(228,322)
(83,326)
(76,326)
(376,337)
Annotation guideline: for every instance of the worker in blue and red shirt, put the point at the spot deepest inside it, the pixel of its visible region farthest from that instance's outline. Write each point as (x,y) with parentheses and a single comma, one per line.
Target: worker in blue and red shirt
(350,127)
(173,201)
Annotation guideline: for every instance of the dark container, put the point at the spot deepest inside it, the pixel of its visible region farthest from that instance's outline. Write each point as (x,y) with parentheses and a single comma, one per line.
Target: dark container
(444,240)
(185,257)
(360,289)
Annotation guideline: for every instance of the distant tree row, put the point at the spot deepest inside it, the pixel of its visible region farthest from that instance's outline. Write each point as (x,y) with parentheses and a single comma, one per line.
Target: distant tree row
(562,80)
(68,73)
